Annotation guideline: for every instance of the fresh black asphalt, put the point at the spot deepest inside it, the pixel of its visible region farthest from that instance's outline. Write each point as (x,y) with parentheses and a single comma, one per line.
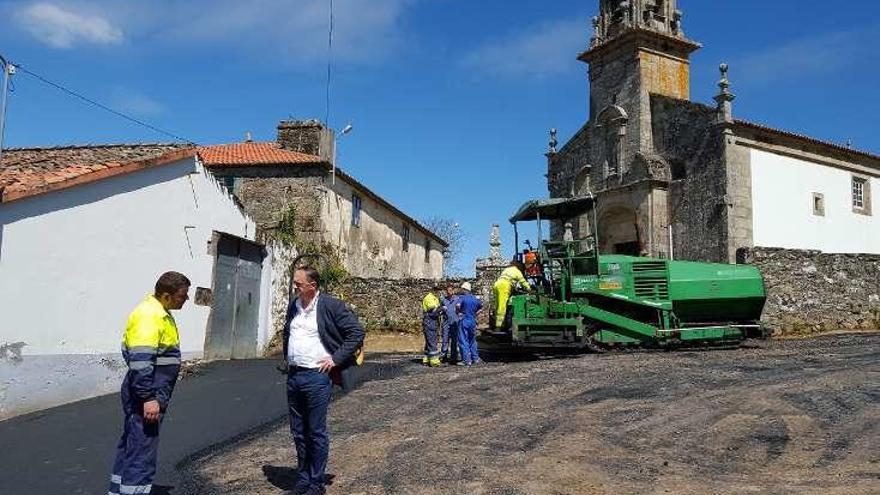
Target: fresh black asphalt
(69,449)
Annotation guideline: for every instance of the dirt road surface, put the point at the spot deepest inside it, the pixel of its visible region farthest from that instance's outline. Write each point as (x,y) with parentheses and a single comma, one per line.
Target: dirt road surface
(778,417)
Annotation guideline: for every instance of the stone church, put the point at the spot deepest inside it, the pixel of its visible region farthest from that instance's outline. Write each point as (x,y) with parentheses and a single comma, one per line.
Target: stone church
(680,179)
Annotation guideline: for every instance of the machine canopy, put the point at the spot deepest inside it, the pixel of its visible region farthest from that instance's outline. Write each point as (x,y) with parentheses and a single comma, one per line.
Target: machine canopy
(553,209)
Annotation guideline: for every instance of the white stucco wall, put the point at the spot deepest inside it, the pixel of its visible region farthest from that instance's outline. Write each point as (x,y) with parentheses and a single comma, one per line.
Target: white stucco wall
(782,202)
(75,262)
(375,249)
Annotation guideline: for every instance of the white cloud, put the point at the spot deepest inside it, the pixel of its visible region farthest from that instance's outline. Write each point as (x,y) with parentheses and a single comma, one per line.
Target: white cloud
(814,55)
(544,50)
(287,32)
(128,101)
(60,28)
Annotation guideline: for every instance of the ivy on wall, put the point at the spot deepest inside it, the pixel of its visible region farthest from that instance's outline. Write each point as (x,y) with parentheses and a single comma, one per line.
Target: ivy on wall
(323,256)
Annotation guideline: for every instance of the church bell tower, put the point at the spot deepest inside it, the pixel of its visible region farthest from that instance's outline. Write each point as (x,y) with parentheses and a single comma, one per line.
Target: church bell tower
(638,48)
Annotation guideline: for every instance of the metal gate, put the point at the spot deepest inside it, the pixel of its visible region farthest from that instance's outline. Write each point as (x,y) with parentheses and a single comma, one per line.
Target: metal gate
(232,331)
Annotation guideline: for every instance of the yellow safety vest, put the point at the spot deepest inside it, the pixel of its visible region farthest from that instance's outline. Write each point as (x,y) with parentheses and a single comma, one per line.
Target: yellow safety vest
(514,276)
(430,302)
(151,348)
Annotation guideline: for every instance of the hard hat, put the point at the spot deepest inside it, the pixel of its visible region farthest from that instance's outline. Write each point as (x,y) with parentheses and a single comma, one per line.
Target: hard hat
(466,286)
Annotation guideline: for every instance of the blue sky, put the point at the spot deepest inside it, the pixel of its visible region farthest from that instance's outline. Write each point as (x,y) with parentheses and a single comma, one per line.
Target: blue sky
(451,99)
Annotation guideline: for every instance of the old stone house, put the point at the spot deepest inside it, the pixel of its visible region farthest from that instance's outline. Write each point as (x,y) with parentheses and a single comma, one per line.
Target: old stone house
(85,231)
(292,184)
(677,178)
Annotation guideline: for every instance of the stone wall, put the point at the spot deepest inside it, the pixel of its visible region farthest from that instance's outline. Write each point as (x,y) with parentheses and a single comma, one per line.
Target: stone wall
(396,304)
(268,193)
(810,291)
(281,256)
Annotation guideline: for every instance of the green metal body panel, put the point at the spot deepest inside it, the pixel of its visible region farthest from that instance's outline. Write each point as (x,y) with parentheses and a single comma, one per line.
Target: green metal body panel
(629,299)
(618,299)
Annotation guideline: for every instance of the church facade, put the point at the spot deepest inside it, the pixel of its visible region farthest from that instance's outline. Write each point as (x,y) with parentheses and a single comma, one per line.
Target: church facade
(680,179)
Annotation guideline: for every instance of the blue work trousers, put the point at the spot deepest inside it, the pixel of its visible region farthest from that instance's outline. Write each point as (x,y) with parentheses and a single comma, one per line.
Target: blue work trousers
(308,397)
(467,340)
(449,341)
(136,455)
(430,324)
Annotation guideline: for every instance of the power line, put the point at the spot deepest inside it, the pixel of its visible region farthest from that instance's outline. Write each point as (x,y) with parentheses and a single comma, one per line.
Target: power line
(103,107)
(329,63)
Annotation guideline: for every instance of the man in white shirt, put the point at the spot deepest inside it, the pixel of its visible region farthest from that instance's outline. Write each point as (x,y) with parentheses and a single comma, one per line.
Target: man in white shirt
(321,336)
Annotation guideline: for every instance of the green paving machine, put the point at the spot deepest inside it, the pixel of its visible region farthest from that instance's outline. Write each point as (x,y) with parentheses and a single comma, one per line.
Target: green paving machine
(589,301)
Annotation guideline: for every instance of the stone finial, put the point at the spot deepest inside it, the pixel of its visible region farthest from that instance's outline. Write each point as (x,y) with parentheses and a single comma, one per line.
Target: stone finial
(551,145)
(676,23)
(495,243)
(568,235)
(725,98)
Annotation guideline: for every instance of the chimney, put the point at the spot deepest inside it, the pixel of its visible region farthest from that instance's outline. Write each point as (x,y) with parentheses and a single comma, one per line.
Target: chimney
(306,136)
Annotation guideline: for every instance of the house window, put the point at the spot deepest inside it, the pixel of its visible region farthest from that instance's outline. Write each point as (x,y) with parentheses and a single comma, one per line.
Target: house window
(818,204)
(427,250)
(228,182)
(861,195)
(405,238)
(355,210)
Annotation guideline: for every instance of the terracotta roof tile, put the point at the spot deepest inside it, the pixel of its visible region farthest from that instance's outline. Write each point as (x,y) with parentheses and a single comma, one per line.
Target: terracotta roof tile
(828,144)
(244,154)
(29,171)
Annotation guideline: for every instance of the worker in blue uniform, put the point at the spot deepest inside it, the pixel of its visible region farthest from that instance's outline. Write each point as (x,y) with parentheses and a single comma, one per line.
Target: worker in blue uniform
(151,349)
(468,307)
(449,340)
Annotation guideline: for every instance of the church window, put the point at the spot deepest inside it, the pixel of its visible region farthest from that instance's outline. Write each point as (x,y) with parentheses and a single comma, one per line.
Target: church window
(615,132)
(612,121)
(861,195)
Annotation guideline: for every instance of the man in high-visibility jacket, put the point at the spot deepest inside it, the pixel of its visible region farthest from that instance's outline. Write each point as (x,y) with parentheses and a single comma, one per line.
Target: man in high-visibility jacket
(509,279)
(151,348)
(431,309)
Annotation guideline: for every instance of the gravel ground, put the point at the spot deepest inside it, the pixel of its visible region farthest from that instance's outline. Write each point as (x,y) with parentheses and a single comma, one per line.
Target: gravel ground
(775,417)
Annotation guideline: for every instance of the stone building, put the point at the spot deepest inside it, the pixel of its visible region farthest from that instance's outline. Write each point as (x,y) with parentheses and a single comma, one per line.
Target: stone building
(292,184)
(677,178)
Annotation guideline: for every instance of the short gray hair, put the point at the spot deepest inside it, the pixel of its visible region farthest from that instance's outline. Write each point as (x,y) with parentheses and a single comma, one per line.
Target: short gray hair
(312,274)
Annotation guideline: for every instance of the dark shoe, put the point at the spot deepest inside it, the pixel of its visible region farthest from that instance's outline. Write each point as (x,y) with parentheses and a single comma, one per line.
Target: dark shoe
(298,490)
